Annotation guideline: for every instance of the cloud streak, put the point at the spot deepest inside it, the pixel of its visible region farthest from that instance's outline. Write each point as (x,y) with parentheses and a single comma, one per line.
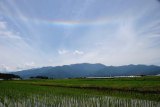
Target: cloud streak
(34,33)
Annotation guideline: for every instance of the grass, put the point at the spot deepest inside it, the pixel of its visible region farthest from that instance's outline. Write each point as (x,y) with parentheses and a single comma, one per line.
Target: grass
(80,92)
(149,84)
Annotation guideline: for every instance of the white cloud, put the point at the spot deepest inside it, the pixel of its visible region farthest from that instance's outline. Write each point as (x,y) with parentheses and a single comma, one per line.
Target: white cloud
(116,38)
(4,68)
(63,51)
(5,32)
(2,25)
(29,65)
(14,51)
(77,52)
(70,53)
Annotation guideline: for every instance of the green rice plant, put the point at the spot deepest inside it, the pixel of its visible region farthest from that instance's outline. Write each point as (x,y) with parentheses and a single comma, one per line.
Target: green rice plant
(27,94)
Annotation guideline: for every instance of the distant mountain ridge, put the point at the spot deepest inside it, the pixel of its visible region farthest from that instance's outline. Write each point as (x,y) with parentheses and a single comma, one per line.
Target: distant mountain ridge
(129,70)
(87,70)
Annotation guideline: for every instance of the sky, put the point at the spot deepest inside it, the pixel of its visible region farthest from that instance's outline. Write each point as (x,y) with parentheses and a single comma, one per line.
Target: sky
(36,33)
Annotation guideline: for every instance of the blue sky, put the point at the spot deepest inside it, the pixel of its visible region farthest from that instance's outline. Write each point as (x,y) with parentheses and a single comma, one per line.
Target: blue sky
(36,33)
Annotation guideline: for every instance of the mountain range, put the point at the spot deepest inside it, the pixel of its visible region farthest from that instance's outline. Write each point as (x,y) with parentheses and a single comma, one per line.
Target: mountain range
(89,70)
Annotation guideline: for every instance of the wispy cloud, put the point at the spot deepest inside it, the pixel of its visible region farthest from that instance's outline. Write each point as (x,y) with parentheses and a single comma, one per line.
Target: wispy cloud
(4,68)
(77,52)
(69,52)
(6,33)
(55,32)
(13,48)
(28,65)
(63,51)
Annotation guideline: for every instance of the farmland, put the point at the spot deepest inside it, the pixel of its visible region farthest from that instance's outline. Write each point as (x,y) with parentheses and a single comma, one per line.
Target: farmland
(126,92)
(149,84)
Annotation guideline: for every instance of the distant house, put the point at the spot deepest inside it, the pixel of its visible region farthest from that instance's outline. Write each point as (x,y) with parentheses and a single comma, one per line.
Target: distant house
(99,77)
(130,76)
(16,79)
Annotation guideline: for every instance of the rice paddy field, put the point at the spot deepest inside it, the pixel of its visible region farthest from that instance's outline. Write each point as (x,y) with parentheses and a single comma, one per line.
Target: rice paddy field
(118,92)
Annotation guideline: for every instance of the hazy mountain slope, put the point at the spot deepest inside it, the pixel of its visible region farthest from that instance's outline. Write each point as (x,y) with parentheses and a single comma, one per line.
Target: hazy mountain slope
(86,70)
(74,70)
(128,70)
